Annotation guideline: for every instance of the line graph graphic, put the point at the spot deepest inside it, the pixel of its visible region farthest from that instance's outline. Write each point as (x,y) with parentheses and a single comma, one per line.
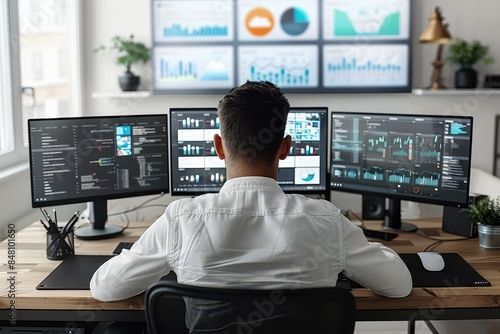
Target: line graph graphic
(365,65)
(285,66)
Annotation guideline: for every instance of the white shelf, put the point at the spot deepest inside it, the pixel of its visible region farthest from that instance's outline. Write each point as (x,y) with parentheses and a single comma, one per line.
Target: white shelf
(452,91)
(118,94)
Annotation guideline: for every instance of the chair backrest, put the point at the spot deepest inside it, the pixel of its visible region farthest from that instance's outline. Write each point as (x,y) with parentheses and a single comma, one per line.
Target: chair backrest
(234,311)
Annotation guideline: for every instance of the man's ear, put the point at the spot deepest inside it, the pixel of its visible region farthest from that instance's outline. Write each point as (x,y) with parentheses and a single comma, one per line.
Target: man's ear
(285,147)
(218,146)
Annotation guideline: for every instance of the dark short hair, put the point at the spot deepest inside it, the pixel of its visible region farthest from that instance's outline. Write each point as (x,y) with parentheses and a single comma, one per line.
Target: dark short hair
(253,119)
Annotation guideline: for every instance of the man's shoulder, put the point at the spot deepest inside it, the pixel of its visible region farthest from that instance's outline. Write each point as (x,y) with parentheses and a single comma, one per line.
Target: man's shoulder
(319,206)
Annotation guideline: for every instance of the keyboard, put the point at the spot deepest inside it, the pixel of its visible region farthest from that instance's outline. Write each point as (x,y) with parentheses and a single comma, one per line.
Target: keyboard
(121,246)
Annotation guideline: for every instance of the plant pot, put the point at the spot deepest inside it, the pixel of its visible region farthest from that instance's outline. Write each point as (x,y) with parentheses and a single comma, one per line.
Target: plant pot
(466,77)
(489,235)
(128,81)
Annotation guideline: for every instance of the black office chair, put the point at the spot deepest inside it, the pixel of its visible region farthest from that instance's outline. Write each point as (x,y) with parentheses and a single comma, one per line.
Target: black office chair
(231,311)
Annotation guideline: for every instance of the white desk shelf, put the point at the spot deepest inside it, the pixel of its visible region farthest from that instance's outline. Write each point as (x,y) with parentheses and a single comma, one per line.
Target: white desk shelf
(452,91)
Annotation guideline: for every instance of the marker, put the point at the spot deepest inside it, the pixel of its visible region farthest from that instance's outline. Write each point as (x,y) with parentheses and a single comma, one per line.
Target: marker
(45,226)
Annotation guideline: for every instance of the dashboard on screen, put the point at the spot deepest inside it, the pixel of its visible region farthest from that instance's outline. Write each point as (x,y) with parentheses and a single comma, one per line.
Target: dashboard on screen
(94,159)
(196,168)
(421,158)
(315,46)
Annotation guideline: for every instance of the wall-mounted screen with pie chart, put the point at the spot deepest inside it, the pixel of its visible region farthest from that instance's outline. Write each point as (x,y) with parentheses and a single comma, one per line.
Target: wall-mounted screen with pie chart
(314,46)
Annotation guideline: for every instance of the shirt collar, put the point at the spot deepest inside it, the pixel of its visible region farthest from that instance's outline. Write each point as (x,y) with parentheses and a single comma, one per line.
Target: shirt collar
(251,183)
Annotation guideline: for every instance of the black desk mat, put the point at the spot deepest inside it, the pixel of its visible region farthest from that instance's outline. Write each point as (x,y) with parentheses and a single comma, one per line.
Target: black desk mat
(457,272)
(74,273)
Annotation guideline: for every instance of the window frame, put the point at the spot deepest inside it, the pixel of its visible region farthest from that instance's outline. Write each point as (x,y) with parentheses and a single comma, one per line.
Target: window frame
(18,154)
(16,160)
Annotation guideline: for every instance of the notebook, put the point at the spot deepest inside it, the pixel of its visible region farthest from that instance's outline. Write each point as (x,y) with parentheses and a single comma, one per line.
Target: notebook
(74,273)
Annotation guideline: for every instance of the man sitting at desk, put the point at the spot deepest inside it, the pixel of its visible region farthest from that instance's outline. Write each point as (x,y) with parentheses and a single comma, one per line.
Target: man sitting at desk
(251,234)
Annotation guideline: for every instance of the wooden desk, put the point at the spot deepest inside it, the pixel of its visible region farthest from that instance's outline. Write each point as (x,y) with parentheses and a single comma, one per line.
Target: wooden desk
(32,267)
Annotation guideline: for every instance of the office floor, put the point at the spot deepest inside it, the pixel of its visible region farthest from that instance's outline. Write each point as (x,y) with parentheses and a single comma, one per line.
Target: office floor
(393,327)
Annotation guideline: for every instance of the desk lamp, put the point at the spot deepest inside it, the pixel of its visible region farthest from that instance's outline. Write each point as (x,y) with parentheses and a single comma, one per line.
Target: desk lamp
(436,33)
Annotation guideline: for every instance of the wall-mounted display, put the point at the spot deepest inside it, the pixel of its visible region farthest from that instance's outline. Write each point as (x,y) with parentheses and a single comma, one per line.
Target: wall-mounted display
(315,46)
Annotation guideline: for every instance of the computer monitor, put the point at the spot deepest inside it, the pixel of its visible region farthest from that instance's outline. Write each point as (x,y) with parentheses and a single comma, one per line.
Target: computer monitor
(196,168)
(422,158)
(94,159)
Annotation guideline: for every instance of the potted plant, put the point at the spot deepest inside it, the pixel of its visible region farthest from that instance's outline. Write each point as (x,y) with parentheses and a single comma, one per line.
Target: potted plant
(129,52)
(465,55)
(486,213)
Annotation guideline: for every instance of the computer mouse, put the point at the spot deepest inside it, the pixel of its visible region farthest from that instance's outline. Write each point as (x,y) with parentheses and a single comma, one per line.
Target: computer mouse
(431,261)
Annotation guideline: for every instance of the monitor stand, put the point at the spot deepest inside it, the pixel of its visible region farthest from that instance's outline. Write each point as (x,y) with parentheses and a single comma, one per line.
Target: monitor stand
(392,220)
(98,229)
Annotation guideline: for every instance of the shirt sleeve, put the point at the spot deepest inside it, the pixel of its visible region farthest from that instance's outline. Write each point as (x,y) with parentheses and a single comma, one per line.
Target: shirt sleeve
(133,271)
(374,265)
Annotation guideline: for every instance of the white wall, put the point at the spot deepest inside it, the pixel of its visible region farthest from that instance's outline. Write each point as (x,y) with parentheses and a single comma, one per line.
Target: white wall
(104,19)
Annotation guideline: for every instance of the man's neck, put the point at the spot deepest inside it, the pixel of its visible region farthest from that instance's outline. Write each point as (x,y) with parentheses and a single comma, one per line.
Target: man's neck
(263,170)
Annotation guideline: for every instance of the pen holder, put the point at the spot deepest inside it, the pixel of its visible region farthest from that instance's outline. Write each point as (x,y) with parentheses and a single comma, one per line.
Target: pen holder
(60,245)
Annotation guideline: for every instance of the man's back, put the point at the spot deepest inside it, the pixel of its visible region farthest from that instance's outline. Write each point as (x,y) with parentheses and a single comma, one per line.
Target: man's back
(253,234)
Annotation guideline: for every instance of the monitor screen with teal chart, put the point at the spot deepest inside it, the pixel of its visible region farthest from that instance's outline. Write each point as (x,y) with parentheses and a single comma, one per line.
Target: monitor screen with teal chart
(315,46)
(422,158)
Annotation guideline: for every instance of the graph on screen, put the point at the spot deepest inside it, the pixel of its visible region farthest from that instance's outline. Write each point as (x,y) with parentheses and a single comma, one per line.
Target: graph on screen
(278,20)
(285,66)
(365,65)
(368,19)
(200,21)
(194,67)
(314,46)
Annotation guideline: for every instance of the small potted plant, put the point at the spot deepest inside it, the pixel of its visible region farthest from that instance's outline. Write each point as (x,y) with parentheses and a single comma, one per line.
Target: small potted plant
(486,213)
(129,52)
(465,55)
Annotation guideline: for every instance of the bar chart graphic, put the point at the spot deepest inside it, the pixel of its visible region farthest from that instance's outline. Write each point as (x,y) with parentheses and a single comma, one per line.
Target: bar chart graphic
(285,66)
(199,21)
(190,67)
(375,65)
(177,30)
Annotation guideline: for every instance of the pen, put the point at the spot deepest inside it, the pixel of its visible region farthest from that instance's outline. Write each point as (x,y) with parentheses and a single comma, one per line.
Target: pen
(71,222)
(45,226)
(44,214)
(55,215)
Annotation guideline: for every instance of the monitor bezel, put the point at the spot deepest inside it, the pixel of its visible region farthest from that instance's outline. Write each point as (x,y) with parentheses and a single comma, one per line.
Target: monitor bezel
(400,196)
(111,196)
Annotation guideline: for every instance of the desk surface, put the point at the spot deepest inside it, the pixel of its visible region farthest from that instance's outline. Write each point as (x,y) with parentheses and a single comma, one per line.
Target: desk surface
(32,267)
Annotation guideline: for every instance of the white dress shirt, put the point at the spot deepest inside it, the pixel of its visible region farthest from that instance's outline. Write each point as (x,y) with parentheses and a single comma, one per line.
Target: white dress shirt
(252,235)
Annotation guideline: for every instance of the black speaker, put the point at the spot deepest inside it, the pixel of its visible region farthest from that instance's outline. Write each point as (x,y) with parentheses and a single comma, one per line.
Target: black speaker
(373,208)
(455,219)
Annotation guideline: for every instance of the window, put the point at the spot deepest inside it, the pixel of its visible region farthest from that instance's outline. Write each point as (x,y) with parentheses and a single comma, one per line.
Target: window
(47,44)
(7,73)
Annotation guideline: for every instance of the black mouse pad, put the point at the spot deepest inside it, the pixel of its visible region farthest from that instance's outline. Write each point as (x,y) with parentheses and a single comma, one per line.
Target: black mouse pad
(457,272)
(74,273)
